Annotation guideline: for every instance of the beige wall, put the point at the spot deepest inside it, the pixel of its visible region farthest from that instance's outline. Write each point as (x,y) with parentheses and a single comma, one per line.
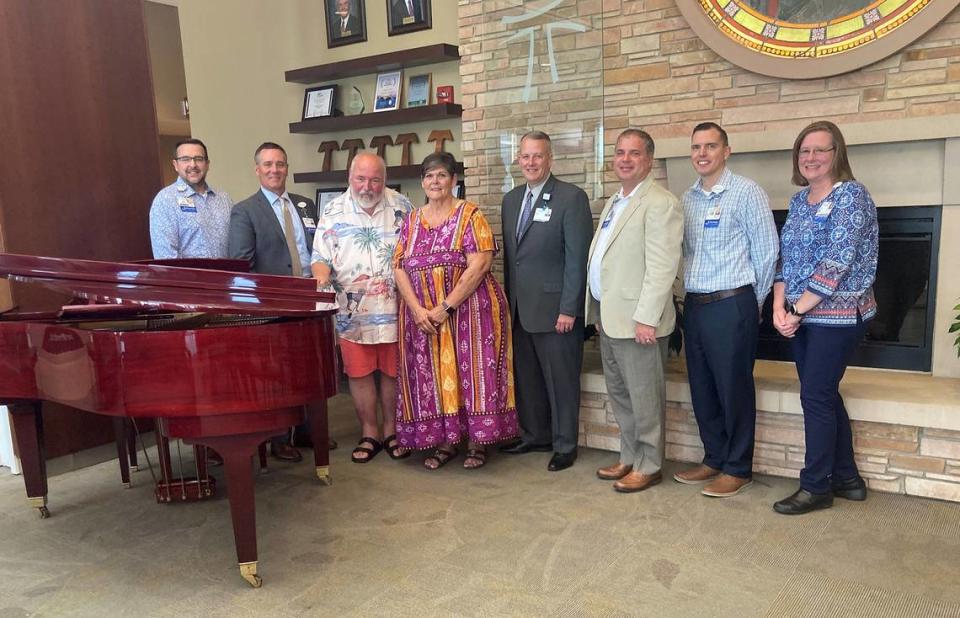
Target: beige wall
(235,54)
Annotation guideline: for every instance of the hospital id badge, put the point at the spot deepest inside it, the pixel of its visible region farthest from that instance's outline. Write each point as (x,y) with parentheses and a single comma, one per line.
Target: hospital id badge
(713,217)
(309,222)
(542,214)
(823,212)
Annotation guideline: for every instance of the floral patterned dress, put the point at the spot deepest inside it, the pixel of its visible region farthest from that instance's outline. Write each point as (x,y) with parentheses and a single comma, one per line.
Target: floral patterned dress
(458,382)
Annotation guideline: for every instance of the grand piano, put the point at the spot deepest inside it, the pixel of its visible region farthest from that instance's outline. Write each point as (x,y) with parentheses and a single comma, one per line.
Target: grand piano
(221,359)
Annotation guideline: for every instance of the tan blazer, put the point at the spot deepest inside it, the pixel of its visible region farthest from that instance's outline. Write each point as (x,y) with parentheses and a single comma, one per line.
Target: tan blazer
(639,265)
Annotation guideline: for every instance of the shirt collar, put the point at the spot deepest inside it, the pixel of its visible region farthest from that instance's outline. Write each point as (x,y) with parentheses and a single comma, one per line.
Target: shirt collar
(536,189)
(384,202)
(619,194)
(184,187)
(718,187)
(273,197)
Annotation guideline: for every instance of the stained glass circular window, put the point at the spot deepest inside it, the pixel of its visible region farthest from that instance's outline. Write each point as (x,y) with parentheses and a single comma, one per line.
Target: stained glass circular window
(811,38)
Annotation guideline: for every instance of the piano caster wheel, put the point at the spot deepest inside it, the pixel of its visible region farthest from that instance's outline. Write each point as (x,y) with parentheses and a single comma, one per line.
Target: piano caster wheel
(323,473)
(44,512)
(248,571)
(40,503)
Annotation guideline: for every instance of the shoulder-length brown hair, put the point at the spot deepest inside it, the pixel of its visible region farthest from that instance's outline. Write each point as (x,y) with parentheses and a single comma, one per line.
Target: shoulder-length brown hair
(840,170)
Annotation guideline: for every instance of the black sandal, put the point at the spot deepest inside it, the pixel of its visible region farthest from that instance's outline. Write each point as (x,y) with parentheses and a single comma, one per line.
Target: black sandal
(476,454)
(441,456)
(371,452)
(395,450)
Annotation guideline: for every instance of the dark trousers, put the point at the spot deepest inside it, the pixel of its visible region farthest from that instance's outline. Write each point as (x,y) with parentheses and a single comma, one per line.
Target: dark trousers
(822,354)
(720,341)
(546,370)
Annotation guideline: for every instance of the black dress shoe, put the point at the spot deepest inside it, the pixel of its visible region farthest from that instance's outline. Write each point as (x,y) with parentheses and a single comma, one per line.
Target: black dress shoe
(520,447)
(561,461)
(851,489)
(803,502)
(285,452)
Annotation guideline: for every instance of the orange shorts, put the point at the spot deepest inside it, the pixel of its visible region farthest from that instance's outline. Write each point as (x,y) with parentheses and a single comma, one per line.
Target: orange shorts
(362,359)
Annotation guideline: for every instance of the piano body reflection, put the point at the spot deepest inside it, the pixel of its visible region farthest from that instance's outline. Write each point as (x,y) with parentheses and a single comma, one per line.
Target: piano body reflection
(222,359)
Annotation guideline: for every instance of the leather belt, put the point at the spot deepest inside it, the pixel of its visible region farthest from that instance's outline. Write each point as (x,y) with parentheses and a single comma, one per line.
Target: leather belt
(712,297)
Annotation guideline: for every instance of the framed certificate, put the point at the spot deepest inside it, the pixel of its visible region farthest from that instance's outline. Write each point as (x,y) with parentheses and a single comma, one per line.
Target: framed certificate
(318,102)
(387,95)
(418,91)
(324,195)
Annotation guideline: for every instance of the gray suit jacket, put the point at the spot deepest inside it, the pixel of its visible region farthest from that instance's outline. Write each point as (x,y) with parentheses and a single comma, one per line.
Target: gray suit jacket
(546,271)
(257,236)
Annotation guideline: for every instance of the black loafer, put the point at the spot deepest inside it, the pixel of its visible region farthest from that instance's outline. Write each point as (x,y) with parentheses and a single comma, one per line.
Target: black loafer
(851,489)
(803,502)
(561,461)
(520,447)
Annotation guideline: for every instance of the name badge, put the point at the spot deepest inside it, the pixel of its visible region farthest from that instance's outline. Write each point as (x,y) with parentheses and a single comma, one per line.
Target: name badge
(824,211)
(185,208)
(308,222)
(713,218)
(542,214)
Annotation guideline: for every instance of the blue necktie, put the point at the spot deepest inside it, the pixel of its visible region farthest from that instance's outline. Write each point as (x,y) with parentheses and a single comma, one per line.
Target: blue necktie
(525,213)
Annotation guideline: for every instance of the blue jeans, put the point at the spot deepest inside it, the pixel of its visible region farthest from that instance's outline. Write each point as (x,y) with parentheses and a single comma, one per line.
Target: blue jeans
(822,354)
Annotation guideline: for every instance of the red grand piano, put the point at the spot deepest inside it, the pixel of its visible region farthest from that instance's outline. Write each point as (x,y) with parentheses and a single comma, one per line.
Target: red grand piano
(223,359)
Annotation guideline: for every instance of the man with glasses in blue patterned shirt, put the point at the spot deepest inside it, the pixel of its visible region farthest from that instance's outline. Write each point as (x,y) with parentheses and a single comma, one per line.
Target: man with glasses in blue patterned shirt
(189,219)
(730,249)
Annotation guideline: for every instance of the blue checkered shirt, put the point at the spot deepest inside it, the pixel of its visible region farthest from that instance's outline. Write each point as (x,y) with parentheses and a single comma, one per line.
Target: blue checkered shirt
(741,250)
(186,224)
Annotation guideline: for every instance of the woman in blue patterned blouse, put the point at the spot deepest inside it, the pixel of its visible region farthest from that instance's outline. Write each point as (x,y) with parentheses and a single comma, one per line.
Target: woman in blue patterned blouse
(822,299)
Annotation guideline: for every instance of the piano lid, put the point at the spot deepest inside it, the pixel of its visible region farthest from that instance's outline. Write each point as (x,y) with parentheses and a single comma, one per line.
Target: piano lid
(170,288)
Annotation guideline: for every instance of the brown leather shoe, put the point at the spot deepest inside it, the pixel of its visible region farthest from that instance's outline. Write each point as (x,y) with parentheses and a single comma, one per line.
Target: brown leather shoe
(725,486)
(615,472)
(637,481)
(285,452)
(695,476)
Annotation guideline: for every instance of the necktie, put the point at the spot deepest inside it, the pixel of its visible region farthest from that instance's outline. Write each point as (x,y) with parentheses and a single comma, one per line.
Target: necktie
(525,213)
(291,237)
(343,24)
(410,8)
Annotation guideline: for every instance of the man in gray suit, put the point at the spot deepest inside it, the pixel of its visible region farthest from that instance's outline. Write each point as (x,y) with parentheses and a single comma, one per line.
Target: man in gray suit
(272,229)
(547,227)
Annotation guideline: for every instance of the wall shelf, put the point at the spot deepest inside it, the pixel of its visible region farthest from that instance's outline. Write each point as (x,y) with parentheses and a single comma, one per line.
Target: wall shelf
(394,172)
(418,56)
(438,111)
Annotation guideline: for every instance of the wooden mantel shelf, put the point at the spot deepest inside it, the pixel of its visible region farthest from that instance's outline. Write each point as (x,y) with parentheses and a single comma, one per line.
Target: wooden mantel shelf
(418,56)
(424,113)
(394,172)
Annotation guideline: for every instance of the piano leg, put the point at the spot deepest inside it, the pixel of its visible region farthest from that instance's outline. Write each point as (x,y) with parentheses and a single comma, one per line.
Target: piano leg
(320,435)
(132,444)
(120,434)
(28,427)
(237,453)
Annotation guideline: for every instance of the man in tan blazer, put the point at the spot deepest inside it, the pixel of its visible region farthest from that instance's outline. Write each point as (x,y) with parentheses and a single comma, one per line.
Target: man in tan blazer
(634,259)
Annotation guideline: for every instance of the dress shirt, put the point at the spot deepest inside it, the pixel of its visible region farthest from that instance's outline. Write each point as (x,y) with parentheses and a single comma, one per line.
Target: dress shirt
(603,237)
(536,193)
(742,248)
(830,248)
(298,232)
(187,224)
(358,248)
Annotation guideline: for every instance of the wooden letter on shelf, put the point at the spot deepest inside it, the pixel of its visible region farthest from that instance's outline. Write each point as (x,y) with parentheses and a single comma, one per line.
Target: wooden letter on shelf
(440,137)
(380,142)
(405,140)
(327,149)
(353,145)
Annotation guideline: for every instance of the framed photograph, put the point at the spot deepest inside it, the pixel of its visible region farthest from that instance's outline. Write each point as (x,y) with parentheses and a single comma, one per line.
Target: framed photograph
(387,95)
(408,16)
(326,194)
(318,102)
(418,90)
(346,22)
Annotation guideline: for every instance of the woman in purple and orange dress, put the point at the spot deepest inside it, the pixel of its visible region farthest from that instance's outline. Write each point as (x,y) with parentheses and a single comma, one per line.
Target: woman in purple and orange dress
(456,361)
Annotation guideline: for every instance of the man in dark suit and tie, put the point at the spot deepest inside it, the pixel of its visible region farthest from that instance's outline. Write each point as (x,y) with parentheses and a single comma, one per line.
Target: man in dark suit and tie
(405,12)
(272,230)
(345,23)
(547,228)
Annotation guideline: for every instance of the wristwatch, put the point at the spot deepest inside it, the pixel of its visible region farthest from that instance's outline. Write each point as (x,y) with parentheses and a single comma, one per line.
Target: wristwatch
(792,309)
(450,310)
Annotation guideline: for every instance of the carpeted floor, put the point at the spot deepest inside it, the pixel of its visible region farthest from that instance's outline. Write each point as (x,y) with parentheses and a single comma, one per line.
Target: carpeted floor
(392,539)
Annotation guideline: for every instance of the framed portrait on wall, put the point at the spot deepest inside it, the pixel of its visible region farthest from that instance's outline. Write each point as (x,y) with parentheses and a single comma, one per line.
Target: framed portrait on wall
(408,16)
(346,22)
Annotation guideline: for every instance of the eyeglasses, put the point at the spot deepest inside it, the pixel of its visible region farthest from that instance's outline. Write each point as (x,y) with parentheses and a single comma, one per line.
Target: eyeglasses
(185,160)
(806,152)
